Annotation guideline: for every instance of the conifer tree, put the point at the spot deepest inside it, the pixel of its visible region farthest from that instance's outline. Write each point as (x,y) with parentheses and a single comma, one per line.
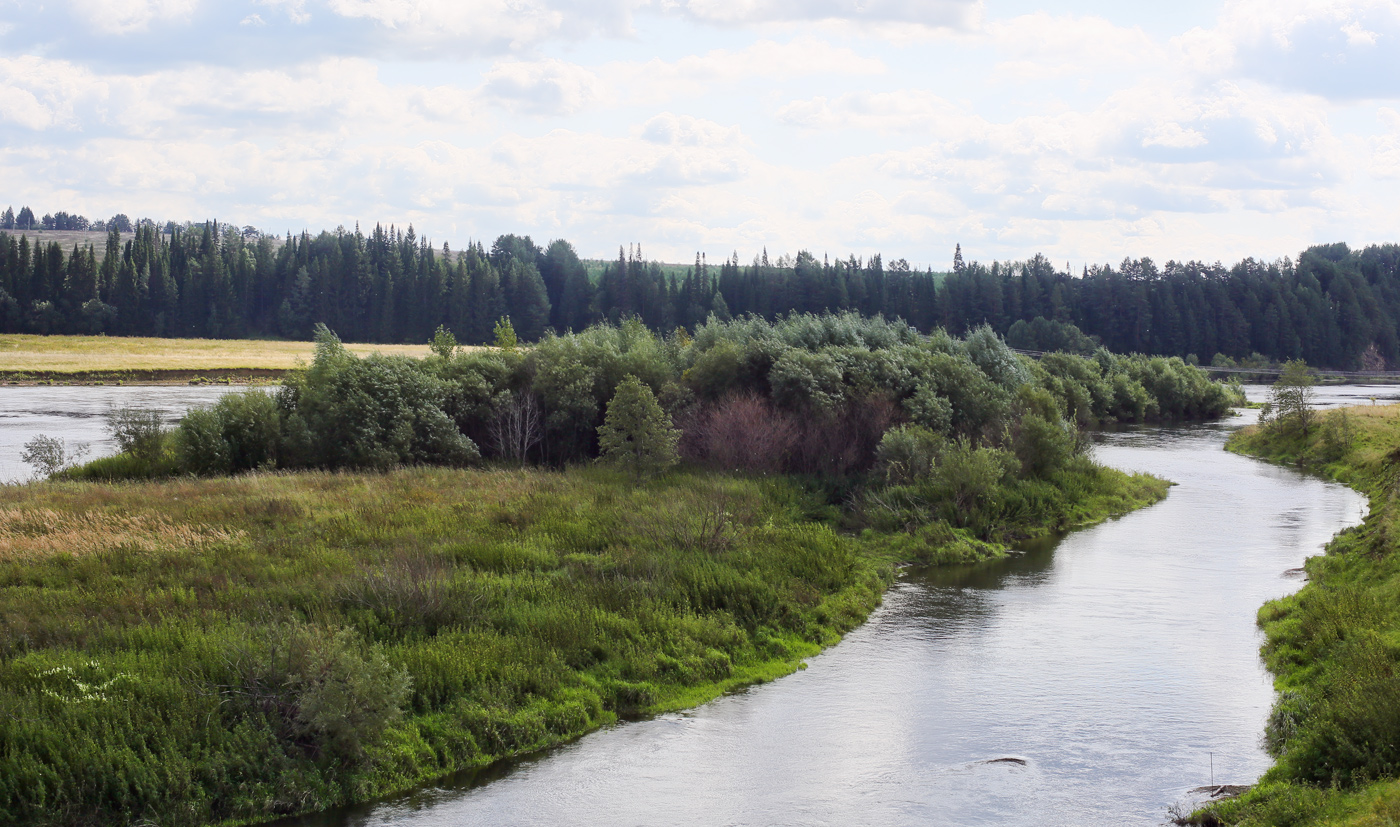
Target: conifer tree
(636,433)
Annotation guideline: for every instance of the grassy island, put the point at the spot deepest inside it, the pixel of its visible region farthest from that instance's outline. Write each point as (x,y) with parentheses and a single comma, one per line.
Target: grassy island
(1334,647)
(394,568)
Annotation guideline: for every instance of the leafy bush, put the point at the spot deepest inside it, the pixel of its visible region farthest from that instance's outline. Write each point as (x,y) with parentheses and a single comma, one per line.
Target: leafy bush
(138,431)
(909,453)
(240,432)
(376,412)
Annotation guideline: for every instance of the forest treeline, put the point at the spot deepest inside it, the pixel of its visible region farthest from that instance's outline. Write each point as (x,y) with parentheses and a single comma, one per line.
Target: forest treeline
(1334,307)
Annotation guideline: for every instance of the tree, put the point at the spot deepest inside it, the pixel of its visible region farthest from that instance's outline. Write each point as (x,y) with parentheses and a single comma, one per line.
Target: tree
(636,433)
(1291,398)
(505,335)
(444,344)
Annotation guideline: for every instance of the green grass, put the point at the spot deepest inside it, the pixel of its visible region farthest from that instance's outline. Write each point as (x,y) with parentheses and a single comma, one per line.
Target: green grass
(1334,647)
(230,650)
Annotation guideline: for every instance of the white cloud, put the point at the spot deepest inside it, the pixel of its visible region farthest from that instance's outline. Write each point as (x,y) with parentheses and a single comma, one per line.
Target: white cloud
(1041,45)
(1385,148)
(1341,49)
(950,14)
(126,16)
(685,130)
(546,87)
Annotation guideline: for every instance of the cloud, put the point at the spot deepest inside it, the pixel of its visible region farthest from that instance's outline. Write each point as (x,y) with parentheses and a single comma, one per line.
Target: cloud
(118,17)
(1340,49)
(657,80)
(949,14)
(1385,148)
(546,87)
(1040,45)
(685,130)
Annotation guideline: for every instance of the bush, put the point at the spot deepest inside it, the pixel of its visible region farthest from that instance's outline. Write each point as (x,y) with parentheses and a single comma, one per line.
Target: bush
(376,412)
(741,432)
(50,455)
(138,431)
(240,432)
(909,453)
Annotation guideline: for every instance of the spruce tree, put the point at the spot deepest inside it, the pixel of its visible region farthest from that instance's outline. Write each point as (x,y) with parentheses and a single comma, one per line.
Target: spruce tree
(636,433)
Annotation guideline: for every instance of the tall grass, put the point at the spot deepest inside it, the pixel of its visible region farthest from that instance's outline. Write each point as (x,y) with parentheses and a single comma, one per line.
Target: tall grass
(171,650)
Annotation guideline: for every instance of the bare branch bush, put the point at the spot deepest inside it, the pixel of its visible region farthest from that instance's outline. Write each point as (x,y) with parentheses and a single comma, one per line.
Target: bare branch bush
(49,455)
(518,427)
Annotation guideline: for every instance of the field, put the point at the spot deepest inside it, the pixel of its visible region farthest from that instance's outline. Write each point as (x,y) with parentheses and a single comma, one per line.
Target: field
(56,357)
(202,651)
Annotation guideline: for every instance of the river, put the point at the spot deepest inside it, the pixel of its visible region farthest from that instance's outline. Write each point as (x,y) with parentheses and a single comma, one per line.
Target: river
(1119,664)
(77,415)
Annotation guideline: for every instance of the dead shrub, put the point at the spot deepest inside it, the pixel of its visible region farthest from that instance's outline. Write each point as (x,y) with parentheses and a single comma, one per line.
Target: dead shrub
(741,432)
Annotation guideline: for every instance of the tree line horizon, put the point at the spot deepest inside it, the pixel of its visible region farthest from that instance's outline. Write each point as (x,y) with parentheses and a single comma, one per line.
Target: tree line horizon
(1334,307)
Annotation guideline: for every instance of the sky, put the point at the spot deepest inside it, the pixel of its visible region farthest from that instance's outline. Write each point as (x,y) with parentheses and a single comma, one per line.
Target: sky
(1089,131)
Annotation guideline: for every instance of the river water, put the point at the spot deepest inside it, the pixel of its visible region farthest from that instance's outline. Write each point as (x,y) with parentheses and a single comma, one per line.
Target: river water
(77,415)
(1119,664)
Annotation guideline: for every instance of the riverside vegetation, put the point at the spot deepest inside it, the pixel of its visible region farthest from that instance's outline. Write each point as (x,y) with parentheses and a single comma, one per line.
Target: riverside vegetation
(1334,646)
(394,568)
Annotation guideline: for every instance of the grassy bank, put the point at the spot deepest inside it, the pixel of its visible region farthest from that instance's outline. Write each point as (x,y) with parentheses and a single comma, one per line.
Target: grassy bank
(25,357)
(1334,647)
(233,649)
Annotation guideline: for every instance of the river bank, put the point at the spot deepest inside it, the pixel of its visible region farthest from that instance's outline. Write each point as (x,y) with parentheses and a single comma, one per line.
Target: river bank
(1335,727)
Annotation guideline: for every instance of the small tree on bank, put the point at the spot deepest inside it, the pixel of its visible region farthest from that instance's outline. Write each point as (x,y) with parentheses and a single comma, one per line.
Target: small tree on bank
(636,433)
(1291,399)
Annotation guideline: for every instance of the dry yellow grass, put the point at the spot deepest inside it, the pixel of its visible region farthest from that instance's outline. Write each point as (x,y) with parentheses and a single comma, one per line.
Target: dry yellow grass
(87,354)
(30,533)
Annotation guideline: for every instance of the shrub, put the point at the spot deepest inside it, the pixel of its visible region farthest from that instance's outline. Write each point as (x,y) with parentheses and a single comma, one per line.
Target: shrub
(50,455)
(138,431)
(375,412)
(740,432)
(327,693)
(908,453)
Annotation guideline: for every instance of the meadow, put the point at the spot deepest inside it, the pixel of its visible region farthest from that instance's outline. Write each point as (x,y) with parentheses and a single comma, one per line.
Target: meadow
(57,356)
(196,651)
(1334,646)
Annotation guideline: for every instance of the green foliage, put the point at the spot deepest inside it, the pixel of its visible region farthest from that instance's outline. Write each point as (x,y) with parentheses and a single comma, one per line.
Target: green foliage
(505,335)
(1333,646)
(636,434)
(1291,398)
(376,412)
(240,432)
(444,344)
(909,453)
(50,455)
(137,431)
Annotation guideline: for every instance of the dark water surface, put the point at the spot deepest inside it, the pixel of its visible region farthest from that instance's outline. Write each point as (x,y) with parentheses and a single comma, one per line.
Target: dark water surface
(1114,664)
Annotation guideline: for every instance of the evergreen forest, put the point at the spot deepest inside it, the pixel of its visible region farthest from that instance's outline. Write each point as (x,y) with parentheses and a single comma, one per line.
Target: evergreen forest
(1333,307)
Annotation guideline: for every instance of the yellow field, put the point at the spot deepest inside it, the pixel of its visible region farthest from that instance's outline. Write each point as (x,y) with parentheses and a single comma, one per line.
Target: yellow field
(24,353)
